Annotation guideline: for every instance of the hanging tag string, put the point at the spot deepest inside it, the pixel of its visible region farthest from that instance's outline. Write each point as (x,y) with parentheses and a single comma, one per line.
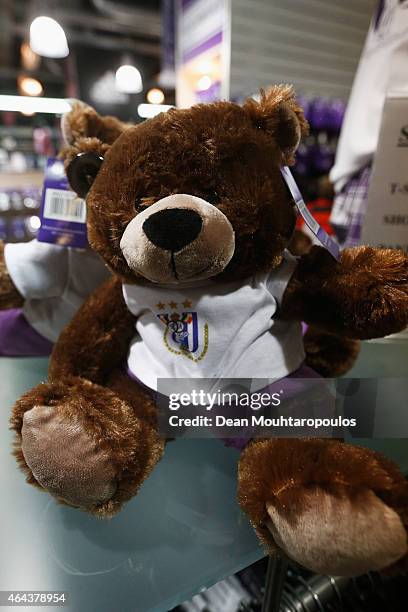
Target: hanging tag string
(310,221)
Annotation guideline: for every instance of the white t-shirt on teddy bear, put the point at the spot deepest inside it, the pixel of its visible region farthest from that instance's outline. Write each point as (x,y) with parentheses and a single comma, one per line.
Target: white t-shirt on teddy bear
(207,330)
(54,281)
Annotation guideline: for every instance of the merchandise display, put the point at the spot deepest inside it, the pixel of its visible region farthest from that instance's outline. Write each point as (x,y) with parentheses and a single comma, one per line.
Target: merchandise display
(23,152)
(19,213)
(204,305)
(381,70)
(41,284)
(316,152)
(41,287)
(173,239)
(44,281)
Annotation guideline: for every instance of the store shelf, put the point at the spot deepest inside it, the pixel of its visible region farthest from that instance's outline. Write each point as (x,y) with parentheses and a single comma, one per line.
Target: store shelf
(184,531)
(17,180)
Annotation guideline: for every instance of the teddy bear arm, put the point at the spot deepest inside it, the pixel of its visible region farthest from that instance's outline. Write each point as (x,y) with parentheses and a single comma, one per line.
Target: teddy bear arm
(96,340)
(9,295)
(364,295)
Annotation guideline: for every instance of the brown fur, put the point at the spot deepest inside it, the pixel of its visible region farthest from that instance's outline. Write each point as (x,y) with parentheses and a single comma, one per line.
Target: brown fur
(300,243)
(362,296)
(96,341)
(330,355)
(9,295)
(220,148)
(84,121)
(229,155)
(280,116)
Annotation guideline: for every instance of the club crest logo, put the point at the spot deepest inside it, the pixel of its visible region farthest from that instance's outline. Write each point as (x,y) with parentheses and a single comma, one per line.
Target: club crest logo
(183,334)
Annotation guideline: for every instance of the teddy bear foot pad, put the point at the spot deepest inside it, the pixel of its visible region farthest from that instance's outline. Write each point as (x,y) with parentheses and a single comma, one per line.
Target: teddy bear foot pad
(84,444)
(64,458)
(339,535)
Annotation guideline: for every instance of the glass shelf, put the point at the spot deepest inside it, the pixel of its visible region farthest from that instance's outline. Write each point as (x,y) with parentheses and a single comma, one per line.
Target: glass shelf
(182,533)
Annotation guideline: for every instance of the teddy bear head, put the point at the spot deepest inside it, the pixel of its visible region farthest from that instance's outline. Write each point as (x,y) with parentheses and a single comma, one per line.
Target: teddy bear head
(191,194)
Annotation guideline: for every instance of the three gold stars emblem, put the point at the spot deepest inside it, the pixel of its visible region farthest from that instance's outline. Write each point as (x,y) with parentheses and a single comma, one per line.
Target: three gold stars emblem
(173,305)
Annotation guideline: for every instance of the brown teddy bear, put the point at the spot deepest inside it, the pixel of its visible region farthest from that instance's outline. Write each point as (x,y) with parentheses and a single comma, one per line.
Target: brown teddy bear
(190,212)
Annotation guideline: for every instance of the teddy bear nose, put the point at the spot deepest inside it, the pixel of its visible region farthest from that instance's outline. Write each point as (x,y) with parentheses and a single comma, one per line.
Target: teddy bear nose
(173,228)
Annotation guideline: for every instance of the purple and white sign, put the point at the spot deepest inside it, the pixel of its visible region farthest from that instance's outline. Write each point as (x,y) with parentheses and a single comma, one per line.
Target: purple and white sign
(202,51)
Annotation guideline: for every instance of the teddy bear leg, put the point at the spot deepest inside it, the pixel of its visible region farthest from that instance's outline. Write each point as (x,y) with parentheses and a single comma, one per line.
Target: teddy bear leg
(86,444)
(330,355)
(332,507)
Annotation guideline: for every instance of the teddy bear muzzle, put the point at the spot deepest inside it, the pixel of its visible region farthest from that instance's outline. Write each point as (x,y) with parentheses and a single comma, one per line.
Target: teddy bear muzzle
(179,238)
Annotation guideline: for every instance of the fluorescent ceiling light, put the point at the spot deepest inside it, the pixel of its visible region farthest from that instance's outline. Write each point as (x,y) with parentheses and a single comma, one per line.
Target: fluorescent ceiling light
(47,38)
(147,111)
(26,104)
(128,79)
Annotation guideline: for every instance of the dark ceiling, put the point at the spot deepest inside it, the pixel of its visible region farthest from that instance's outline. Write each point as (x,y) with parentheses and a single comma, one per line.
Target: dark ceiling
(100,33)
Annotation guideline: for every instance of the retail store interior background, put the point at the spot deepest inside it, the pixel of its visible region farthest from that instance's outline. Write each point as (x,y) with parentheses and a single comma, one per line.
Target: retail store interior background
(176,547)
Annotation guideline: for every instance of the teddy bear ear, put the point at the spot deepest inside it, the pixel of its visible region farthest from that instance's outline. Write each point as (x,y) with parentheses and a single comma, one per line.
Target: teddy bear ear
(279,115)
(82,121)
(87,137)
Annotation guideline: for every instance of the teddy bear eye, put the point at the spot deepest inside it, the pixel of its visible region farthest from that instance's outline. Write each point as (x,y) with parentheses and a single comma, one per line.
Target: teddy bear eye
(141,204)
(212,197)
(82,171)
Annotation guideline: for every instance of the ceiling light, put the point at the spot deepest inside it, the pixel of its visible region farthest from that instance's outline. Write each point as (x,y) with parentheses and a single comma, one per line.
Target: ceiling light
(147,111)
(155,96)
(47,38)
(29,59)
(29,86)
(26,104)
(128,79)
(103,90)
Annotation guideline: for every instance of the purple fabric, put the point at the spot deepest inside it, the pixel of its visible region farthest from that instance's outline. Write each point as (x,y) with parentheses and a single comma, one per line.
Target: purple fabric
(18,338)
(293,385)
(349,209)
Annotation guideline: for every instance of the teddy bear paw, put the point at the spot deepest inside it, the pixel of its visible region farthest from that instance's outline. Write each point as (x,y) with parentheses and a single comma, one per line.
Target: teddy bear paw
(330,355)
(64,458)
(340,533)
